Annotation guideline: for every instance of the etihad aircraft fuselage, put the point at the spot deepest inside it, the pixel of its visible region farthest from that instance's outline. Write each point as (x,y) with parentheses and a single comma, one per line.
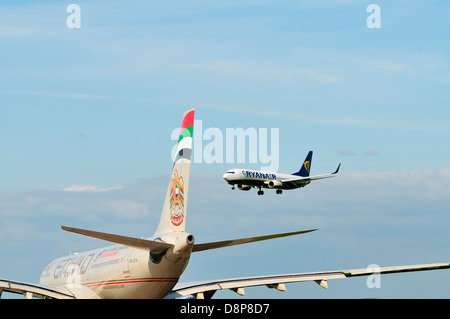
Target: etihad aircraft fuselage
(120,271)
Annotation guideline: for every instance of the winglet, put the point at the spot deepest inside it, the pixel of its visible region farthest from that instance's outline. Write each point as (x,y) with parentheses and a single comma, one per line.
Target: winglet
(337,169)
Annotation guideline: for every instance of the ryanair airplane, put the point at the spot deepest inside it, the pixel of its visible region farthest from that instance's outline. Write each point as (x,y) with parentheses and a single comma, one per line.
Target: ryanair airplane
(246,179)
(151,267)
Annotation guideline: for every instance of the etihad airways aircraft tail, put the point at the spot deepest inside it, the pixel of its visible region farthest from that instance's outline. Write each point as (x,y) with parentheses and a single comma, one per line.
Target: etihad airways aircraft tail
(173,216)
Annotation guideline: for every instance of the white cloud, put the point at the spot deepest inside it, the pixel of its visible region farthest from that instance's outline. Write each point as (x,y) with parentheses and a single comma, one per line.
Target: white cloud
(91,188)
(86,203)
(349,152)
(345,152)
(125,209)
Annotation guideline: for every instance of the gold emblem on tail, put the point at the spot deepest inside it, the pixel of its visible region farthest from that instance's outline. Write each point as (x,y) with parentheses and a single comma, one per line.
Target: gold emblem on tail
(176,199)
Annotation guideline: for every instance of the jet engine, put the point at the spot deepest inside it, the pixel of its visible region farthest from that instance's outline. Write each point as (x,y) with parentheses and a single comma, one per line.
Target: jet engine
(274,183)
(243,187)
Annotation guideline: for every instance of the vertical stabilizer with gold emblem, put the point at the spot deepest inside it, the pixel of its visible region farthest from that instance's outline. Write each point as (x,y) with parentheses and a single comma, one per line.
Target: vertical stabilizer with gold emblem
(173,217)
(306,167)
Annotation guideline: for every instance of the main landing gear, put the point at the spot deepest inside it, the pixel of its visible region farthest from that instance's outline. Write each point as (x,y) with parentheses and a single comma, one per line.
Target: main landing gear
(261,192)
(279,191)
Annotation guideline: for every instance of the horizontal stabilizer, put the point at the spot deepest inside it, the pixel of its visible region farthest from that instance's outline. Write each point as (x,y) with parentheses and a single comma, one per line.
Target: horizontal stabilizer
(154,246)
(232,242)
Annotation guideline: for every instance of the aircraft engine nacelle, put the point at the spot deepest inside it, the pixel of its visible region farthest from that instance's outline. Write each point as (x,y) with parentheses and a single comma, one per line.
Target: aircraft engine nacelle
(274,183)
(243,187)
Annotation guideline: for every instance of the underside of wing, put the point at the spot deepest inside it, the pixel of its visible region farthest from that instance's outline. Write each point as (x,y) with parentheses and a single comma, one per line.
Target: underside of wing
(306,180)
(202,290)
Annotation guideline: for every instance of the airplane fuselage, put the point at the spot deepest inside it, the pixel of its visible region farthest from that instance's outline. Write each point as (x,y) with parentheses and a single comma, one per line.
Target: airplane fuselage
(253,178)
(120,271)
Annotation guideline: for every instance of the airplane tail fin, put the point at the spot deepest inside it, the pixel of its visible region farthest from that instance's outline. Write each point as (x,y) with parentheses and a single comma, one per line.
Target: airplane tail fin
(306,167)
(173,216)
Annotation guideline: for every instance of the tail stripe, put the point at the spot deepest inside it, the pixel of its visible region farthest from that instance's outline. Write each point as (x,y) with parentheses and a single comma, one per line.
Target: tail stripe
(188,120)
(186,132)
(184,147)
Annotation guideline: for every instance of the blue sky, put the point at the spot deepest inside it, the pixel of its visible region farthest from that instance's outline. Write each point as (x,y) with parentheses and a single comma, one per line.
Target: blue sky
(95,107)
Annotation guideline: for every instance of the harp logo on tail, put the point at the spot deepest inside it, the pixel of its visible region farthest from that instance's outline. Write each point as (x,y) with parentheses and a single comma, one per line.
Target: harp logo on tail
(307,165)
(176,199)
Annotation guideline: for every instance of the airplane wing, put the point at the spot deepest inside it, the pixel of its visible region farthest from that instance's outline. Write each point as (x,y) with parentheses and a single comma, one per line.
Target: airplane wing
(201,290)
(206,289)
(307,179)
(34,291)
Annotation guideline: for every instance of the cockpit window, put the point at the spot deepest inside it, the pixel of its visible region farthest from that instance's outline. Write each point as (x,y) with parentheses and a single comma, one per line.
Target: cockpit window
(230,172)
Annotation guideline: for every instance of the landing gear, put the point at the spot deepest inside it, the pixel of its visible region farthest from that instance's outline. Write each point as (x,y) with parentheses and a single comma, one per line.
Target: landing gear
(260,192)
(232,187)
(279,191)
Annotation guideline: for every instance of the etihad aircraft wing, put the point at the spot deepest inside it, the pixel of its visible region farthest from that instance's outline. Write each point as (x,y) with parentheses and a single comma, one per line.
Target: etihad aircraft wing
(35,291)
(207,289)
